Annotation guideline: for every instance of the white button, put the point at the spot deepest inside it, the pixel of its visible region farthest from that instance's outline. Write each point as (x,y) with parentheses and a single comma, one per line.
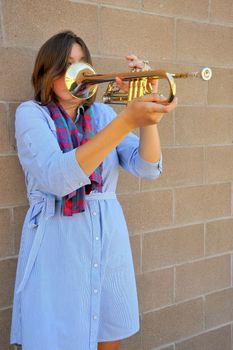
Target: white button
(97,238)
(80,183)
(94,213)
(95,265)
(94,317)
(95,291)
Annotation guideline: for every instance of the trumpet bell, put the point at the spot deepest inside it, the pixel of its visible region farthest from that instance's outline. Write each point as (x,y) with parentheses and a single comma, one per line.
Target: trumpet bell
(75,81)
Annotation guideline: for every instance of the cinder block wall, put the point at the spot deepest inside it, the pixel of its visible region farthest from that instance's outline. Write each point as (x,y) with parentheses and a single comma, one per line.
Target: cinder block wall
(181,226)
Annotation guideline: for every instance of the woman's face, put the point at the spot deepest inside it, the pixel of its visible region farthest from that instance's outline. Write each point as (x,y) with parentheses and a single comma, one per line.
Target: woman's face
(59,86)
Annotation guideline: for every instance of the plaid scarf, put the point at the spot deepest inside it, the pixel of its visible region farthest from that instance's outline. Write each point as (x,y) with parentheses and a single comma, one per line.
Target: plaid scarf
(69,137)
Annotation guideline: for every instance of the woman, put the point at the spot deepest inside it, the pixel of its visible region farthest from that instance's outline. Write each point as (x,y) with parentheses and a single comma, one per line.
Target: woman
(75,286)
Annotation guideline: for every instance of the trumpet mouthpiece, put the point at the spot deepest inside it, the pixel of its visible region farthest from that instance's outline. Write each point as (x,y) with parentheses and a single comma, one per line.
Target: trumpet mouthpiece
(206,73)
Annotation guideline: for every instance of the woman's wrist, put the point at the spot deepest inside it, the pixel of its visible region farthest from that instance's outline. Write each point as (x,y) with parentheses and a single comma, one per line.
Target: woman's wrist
(126,121)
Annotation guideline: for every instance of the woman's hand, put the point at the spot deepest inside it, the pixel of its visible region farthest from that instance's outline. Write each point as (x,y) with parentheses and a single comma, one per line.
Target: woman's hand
(146,110)
(135,62)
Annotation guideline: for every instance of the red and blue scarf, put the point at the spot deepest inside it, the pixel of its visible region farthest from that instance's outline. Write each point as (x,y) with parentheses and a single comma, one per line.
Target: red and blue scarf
(68,135)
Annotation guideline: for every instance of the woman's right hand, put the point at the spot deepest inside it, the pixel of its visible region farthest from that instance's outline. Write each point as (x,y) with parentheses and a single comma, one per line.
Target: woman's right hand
(146,110)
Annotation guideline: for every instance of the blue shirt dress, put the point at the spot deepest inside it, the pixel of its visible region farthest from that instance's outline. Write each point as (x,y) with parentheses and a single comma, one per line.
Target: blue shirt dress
(75,283)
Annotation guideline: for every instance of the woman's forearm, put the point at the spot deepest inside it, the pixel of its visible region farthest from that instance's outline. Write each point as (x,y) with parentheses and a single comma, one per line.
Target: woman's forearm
(92,153)
(143,113)
(150,149)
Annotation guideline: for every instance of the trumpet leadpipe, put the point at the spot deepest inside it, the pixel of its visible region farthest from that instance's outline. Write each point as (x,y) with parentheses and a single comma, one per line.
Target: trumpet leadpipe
(205,74)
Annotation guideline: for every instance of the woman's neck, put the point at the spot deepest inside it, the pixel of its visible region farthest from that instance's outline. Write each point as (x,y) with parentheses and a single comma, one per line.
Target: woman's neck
(71,108)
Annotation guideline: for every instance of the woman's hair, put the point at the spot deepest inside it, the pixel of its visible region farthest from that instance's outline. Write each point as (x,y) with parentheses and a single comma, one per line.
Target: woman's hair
(52,61)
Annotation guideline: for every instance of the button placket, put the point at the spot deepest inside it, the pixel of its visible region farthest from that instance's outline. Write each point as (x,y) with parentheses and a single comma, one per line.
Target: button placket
(95,270)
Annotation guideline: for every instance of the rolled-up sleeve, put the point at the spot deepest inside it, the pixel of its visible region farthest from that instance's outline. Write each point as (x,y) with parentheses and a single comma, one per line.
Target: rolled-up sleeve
(40,155)
(131,161)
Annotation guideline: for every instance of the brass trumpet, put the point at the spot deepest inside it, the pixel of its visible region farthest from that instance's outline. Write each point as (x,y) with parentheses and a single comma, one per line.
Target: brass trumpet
(82,81)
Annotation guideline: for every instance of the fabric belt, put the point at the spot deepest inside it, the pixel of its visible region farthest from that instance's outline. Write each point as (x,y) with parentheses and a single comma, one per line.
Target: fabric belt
(39,204)
(101,195)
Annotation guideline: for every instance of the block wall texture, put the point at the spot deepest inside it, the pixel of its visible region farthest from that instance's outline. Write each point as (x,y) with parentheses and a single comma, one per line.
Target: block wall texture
(181,226)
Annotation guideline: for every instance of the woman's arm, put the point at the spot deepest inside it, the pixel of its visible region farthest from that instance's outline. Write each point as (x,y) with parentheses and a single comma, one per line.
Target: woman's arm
(141,112)
(149,147)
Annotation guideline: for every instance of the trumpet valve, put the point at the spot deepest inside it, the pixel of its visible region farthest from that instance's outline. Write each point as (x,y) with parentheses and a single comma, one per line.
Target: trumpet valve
(114,95)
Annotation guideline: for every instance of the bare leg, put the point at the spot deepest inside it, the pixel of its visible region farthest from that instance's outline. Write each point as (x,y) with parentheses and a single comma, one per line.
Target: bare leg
(113,345)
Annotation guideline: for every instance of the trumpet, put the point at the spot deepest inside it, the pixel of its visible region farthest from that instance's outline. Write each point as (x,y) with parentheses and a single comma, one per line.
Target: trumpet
(82,82)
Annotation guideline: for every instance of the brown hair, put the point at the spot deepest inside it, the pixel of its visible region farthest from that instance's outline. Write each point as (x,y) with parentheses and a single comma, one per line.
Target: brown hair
(52,61)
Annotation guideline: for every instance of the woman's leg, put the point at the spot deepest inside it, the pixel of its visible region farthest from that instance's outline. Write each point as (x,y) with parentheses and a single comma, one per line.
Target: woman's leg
(113,345)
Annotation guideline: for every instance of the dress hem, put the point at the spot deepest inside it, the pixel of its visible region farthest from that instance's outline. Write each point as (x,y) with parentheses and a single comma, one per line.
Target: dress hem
(120,337)
(98,340)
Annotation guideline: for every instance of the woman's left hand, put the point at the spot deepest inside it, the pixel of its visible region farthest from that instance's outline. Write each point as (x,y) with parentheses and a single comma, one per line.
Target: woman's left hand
(135,62)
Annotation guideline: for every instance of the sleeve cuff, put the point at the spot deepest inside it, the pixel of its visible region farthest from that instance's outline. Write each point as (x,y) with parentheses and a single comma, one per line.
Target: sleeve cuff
(73,174)
(147,169)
